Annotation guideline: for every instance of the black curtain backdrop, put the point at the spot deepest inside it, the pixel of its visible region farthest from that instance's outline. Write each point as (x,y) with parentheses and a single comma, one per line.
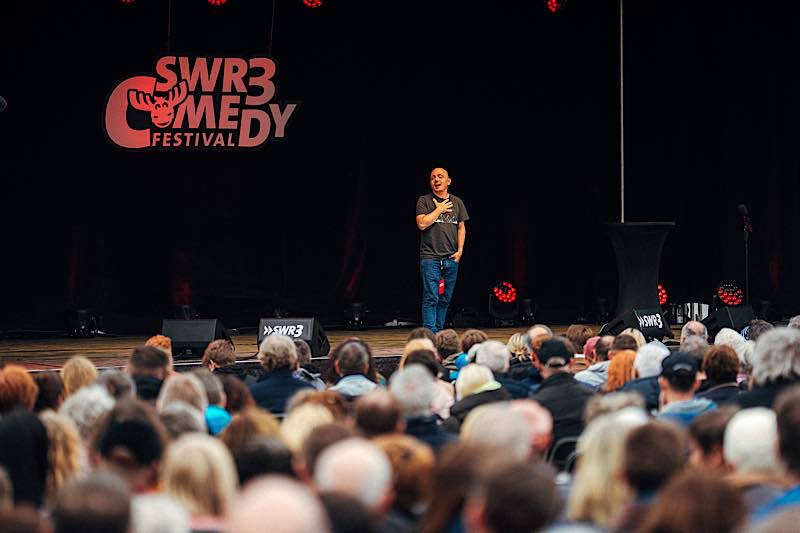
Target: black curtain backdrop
(520,105)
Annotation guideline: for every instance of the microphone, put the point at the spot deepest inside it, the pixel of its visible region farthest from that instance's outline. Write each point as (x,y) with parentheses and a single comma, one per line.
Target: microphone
(3,104)
(742,209)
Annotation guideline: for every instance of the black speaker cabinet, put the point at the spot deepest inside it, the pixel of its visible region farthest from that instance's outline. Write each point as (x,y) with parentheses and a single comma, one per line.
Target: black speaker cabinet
(735,318)
(191,337)
(650,321)
(307,329)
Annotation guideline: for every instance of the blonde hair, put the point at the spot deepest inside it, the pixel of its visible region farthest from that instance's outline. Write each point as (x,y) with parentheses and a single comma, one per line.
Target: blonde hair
(637,336)
(598,494)
(417,344)
(199,473)
(471,378)
(516,345)
(301,421)
(620,370)
(184,387)
(248,424)
(77,372)
(63,451)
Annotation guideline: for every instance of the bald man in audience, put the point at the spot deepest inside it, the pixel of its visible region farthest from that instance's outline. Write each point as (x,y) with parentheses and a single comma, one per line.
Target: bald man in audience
(277,505)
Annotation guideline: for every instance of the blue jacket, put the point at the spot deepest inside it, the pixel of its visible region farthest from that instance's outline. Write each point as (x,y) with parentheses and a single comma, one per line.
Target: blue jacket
(648,388)
(274,389)
(427,429)
(790,497)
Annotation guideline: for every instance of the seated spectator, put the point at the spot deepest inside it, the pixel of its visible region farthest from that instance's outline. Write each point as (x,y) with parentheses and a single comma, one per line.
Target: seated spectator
(623,341)
(620,370)
(331,400)
(787,415)
(77,372)
(306,370)
(129,442)
(444,393)
(158,513)
(756,468)
(149,366)
(305,462)
(199,473)
(578,334)
(352,365)
(220,358)
(678,384)
(278,357)
(284,501)
(24,455)
(412,463)
(495,356)
(118,384)
(598,405)
(414,388)
(86,408)
(707,440)
(347,514)
(164,344)
(652,454)
(301,421)
(776,365)
(721,367)
(237,394)
(17,390)
(596,375)
(720,509)
(693,328)
(647,368)
(512,498)
(215,414)
(184,387)
(261,456)
(180,417)
(560,394)
(64,451)
(516,345)
(468,339)
(249,424)
(537,330)
(499,428)
(475,386)
(351,345)
(756,328)
(697,347)
(598,495)
(636,335)
(448,346)
(421,333)
(50,391)
(377,413)
(99,503)
(540,426)
(454,475)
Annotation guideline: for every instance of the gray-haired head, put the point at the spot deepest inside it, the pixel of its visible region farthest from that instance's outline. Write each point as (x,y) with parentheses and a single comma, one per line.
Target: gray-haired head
(414,388)
(290,506)
(211,384)
(733,339)
(746,453)
(119,384)
(648,360)
(180,417)
(534,331)
(498,426)
(794,322)
(158,513)
(696,346)
(693,328)
(777,355)
(494,355)
(86,406)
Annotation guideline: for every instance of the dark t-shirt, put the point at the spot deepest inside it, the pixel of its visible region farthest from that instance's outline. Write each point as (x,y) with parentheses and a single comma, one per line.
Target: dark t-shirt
(440,239)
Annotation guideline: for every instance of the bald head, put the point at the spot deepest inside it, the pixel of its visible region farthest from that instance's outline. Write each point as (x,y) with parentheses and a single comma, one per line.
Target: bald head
(539,422)
(693,327)
(440,181)
(290,506)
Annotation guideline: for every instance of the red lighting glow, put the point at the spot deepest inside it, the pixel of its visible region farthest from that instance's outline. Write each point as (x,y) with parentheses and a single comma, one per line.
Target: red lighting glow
(127,1)
(217,2)
(554,6)
(312,3)
(663,297)
(505,292)
(730,294)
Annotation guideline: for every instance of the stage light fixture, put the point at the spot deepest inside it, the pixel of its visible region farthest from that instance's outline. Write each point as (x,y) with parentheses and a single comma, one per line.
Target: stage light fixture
(554,6)
(127,1)
(312,3)
(217,2)
(730,294)
(503,304)
(663,297)
(356,316)
(505,292)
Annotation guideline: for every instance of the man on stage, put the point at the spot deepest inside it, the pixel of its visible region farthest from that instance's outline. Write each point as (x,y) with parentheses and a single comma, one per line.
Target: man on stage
(441,218)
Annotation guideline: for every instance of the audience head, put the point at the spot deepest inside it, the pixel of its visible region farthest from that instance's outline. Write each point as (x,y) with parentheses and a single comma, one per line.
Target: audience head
(63,451)
(756,328)
(50,391)
(290,506)
(637,336)
(414,388)
(746,454)
(301,421)
(787,416)
(249,424)
(679,374)
(734,339)
(185,388)
(179,417)
(588,348)
(378,412)
(77,372)
(158,513)
(693,328)
(794,322)
(86,407)
(237,395)
(473,379)
(23,454)
(539,422)
(472,337)
(447,343)
(499,428)
(538,330)
(454,474)
(721,365)
(277,352)
(212,386)
(603,347)
(320,438)
(777,356)
(494,355)
(600,405)
(162,342)
(219,353)
(359,468)
(303,351)
(695,346)
(261,456)
(417,344)
(623,341)
(653,453)
(578,334)
(554,355)
(620,370)
(516,346)
(425,358)
(412,463)
(200,474)
(18,390)
(421,333)
(329,399)
(351,357)
(118,384)
(647,362)
(100,502)
(149,361)
(347,514)
(707,439)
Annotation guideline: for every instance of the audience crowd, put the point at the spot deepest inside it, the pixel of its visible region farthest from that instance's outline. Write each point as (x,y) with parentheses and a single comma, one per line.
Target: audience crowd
(544,432)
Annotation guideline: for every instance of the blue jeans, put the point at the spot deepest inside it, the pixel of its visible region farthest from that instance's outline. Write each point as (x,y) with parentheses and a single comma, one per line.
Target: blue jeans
(434,305)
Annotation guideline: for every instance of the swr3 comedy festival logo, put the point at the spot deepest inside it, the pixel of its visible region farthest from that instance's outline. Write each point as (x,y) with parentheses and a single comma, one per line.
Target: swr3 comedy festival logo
(216,103)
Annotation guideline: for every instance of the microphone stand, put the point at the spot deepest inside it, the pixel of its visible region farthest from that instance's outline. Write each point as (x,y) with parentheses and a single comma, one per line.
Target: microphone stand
(747,229)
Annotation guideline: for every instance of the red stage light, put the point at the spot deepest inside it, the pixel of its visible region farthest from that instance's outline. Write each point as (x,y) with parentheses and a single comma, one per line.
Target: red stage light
(217,2)
(730,294)
(505,292)
(662,295)
(554,6)
(312,3)
(127,1)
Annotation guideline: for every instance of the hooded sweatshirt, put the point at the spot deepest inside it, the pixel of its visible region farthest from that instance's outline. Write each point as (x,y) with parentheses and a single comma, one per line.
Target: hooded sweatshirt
(686,411)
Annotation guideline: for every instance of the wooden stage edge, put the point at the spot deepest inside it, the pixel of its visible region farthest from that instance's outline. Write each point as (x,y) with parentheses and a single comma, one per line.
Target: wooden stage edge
(46,354)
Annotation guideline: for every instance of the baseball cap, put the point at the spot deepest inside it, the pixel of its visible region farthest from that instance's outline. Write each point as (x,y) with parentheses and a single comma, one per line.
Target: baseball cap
(554,353)
(679,362)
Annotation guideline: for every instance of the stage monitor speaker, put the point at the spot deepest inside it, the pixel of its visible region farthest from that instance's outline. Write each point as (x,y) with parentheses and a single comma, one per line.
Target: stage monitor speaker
(735,318)
(307,329)
(191,337)
(650,321)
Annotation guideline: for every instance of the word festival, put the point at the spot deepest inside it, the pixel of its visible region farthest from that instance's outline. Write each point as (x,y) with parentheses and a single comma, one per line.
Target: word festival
(198,103)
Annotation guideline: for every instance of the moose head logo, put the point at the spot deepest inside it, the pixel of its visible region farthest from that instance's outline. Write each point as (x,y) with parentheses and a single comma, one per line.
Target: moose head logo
(162,109)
